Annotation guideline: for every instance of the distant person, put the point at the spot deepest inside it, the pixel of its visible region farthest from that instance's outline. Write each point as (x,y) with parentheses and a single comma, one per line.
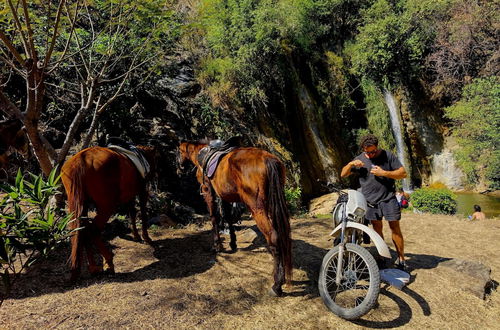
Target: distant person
(402,198)
(377,171)
(478,214)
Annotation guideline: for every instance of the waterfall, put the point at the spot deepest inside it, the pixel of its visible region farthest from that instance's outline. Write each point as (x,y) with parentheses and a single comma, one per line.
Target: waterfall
(396,129)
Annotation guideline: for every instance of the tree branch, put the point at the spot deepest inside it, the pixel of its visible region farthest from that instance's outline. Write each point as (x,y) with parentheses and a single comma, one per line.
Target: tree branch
(54,35)
(31,43)
(11,48)
(19,26)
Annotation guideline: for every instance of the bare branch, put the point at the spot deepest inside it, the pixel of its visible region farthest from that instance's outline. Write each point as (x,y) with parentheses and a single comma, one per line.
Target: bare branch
(11,48)
(54,35)
(19,27)
(31,43)
(4,58)
(66,47)
(9,108)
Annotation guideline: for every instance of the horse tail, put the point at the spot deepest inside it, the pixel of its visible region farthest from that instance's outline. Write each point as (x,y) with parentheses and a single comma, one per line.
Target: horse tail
(277,209)
(76,199)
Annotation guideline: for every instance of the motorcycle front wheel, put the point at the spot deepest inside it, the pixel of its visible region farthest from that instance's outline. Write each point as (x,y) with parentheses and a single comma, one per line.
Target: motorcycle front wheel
(358,290)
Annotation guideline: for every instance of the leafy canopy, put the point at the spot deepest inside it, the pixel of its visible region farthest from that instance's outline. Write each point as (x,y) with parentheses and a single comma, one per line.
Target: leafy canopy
(476,119)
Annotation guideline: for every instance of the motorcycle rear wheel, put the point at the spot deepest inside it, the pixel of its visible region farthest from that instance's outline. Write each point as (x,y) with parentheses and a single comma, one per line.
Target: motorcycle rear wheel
(359,288)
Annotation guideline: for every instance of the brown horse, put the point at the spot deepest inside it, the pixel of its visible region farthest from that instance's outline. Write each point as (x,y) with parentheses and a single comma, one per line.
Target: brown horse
(256,178)
(107,179)
(11,135)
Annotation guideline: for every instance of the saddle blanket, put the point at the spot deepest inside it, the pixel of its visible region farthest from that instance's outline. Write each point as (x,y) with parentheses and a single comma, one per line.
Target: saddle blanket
(136,157)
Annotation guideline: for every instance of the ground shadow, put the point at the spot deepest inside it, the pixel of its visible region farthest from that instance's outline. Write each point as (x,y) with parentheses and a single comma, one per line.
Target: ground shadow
(307,257)
(405,311)
(413,261)
(177,257)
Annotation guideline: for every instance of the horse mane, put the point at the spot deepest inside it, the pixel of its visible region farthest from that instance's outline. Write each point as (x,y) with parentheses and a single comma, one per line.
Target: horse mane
(196,142)
(151,154)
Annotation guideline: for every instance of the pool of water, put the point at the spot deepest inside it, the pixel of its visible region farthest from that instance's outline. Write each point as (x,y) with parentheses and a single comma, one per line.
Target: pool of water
(490,205)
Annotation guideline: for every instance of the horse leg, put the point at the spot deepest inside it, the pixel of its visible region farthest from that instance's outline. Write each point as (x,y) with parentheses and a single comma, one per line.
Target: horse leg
(226,211)
(99,222)
(264,224)
(208,195)
(76,255)
(143,198)
(87,234)
(94,269)
(133,216)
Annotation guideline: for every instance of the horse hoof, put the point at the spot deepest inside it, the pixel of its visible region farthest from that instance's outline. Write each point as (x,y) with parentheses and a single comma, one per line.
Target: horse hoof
(72,280)
(217,248)
(275,292)
(109,271)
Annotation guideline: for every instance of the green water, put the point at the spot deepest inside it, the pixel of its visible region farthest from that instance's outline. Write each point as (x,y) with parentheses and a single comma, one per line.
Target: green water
(489,205)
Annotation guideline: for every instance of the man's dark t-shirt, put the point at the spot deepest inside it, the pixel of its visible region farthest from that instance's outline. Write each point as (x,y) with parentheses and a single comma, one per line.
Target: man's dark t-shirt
(377,188)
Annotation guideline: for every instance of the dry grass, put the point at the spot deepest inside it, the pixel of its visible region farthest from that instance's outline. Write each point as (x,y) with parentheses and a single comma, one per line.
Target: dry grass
(180,284)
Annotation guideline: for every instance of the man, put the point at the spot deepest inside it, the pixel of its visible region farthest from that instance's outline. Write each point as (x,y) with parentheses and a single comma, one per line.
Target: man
(377,170)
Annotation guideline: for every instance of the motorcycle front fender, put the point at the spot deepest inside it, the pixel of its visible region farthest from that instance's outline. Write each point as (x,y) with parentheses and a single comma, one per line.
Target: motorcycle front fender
(382,248)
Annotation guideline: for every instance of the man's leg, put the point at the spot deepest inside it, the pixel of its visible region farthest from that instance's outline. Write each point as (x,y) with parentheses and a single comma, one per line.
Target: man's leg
(397,238)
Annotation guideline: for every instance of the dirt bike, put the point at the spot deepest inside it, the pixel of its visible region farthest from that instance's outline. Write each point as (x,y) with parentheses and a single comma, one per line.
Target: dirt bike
(349,280)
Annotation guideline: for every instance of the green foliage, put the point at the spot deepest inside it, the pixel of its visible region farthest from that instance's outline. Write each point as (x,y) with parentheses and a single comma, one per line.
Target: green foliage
(251,43)
(476,119)
(394,37)
(437,201)
(377,114)
(293,197)
(29,226)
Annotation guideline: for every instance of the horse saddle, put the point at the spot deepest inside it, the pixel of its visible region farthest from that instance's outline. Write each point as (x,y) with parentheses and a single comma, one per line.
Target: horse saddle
(210,156)
(131,152)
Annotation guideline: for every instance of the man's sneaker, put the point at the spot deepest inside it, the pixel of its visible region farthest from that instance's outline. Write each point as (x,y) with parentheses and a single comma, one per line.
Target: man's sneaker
(381,262)
(401,265)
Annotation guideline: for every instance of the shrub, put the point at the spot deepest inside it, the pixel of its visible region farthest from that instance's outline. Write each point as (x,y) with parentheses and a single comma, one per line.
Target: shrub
(476,118)
(437,201)
(30,227)
(293,198)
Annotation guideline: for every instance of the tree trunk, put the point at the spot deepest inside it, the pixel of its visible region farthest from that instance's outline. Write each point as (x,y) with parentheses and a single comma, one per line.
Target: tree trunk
(36,91)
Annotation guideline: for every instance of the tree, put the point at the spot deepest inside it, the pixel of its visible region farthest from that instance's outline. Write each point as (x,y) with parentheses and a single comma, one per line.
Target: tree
(394,38)
(84,52)
(476,118)
(466,47)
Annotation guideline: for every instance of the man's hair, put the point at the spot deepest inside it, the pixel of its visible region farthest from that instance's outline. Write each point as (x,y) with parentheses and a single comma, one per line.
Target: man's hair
(368,140)
(477,208)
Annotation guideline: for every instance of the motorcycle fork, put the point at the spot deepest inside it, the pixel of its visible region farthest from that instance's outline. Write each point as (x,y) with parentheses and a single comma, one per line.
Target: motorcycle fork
(338,278)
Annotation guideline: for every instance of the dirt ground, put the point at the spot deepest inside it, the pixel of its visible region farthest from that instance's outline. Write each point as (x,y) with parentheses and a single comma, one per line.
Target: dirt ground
(181,284)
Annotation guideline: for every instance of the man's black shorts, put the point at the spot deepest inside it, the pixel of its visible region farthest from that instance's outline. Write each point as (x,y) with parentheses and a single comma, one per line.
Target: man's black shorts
(389,210)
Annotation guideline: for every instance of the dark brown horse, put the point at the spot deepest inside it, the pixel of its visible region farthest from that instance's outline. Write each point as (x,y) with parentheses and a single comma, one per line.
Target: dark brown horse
(256,178)
(107,179)
(11,135)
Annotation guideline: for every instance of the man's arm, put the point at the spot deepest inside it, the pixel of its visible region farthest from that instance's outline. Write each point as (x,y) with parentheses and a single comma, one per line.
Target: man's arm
(398,174)
(346,170)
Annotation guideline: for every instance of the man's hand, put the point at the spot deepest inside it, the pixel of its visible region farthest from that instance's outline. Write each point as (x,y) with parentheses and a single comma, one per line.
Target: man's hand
(346,170)
(357,163)
(377,171)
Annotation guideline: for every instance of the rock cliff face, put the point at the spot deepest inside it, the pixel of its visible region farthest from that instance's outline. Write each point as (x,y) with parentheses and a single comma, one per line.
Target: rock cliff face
(425,137)
(302,129)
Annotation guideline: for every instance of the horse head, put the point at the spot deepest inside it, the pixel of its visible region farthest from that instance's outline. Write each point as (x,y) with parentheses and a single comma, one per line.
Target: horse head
(12,135)
(188,151)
